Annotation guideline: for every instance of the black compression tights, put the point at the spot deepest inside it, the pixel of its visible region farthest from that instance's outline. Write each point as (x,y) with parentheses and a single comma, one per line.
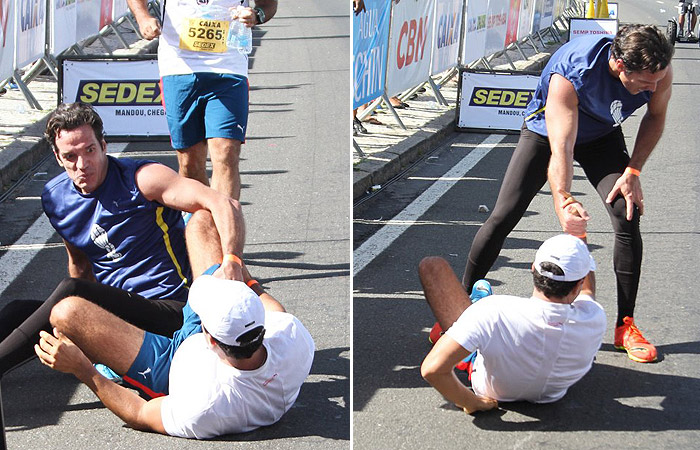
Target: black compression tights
(21,320)
(603,161)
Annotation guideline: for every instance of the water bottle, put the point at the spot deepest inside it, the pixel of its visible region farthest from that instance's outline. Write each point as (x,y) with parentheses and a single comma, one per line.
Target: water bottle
(240,37)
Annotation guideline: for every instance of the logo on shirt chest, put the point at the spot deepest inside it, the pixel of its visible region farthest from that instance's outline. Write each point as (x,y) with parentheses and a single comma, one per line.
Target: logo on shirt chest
(100,238)
(616,112)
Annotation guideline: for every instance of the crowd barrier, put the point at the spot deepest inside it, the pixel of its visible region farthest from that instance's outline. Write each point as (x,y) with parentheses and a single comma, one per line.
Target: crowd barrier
(401,45)
(33,33)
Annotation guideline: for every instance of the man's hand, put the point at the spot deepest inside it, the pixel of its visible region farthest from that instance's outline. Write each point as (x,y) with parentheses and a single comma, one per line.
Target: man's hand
(60,353)
(358,6)
(630,188)
(149,28)
(573,217)
(245,15)
(229,270)
(480,403)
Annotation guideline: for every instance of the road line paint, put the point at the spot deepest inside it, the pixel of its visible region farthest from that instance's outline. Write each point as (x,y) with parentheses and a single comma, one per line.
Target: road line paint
(36,237)
(394,228)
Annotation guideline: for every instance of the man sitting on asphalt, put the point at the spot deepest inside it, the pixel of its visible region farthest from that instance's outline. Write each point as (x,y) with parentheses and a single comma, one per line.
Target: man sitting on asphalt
(237,363)
(528,349)
(121,223)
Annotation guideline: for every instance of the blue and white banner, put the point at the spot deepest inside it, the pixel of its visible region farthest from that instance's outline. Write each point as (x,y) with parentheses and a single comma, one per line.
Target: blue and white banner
(31,31)
(448,29)
(369,51)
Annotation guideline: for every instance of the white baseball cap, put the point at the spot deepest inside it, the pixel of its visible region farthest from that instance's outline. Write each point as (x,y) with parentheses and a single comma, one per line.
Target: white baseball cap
(228,309)
(569,253)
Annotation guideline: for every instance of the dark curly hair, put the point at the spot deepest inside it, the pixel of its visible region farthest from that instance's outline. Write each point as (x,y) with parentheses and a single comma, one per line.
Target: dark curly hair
(549,287)
(69,116)
(250,343)
(642,47)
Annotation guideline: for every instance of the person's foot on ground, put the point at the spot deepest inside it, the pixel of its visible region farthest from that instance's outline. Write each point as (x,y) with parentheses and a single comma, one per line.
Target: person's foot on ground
(629,338)
(357,127)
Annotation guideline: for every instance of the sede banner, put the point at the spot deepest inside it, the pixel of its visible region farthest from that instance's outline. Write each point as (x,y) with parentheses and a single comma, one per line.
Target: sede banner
(369,51)
(493,100)
(126,94)
(448,28)
(410,44)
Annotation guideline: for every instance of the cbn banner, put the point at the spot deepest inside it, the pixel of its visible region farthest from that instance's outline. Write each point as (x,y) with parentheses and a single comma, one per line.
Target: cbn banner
(7,38)
(410,42)
(63,25)
(31,31)
(448,28)
(493,101)
(126,94)
(369,51)
(475,37)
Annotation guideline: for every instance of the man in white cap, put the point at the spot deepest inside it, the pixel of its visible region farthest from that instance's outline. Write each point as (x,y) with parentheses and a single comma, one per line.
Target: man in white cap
(237,363)
(530,349)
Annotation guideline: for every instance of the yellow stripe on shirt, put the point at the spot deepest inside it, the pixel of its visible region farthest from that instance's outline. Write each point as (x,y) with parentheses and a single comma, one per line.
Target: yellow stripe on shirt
(166,239)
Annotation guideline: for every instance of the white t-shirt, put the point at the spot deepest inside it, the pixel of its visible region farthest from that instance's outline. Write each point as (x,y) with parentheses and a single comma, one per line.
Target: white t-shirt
(529,349)
(209,398)
(183,18)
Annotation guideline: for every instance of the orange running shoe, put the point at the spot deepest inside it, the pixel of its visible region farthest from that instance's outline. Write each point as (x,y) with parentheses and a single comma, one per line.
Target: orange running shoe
(629,338)
(435,333)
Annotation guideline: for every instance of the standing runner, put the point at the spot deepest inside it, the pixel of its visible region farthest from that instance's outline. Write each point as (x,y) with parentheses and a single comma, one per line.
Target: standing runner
(204,82)
(588,88)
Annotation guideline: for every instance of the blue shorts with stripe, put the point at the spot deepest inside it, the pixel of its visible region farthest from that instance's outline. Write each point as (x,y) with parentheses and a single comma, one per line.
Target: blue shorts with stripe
(150,371)
(204,105)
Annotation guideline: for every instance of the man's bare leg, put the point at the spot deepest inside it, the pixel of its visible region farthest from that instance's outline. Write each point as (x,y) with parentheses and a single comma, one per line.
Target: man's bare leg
(443,291)
(204,248)
(192,162)
(225,156)
(102,336)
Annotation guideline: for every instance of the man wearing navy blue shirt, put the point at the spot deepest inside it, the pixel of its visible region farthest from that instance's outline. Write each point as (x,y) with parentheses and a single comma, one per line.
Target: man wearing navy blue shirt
(588,88)
(121,223)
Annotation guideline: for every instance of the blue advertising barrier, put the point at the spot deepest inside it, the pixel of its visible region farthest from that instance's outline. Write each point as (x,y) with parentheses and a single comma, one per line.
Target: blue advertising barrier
(369,52)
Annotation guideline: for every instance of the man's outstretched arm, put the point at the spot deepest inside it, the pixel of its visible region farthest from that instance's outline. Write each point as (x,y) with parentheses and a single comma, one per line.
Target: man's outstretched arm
(438,370)
(60,353)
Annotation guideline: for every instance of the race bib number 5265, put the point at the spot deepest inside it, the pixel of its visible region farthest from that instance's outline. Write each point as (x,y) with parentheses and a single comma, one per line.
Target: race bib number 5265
(204,35)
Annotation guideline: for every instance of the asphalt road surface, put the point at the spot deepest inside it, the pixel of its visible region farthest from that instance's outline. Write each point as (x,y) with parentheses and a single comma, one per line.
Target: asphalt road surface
(433,209)
(295,175)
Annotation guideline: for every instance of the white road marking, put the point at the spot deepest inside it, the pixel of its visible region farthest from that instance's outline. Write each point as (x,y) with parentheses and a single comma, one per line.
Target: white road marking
(394,228)
(35,238)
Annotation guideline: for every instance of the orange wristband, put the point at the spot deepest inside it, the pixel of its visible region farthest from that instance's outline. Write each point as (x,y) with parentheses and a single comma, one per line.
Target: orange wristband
(633,171)
(234,258)
(252,283)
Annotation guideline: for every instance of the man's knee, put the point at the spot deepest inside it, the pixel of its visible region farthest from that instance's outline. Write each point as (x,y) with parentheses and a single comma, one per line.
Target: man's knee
(66,312)
(224,151)
(431,266)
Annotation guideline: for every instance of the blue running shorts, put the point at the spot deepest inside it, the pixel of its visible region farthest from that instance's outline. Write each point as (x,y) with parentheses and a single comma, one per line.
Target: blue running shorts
(151,369)
(205,105)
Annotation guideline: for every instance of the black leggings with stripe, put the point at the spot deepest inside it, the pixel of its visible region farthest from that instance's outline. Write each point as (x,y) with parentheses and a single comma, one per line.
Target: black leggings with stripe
(21,320)
(603,161)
